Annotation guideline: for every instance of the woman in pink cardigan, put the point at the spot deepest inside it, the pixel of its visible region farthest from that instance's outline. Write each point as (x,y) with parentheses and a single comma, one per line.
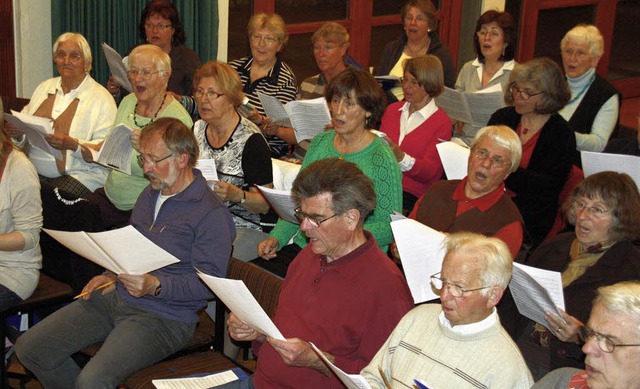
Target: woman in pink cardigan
(414,126)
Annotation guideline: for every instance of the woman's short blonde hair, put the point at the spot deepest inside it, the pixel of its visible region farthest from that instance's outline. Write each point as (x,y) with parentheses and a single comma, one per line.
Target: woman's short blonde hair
(81,41)
(159,58)
(272,22)
(225,76)
(585,33)
(427,69)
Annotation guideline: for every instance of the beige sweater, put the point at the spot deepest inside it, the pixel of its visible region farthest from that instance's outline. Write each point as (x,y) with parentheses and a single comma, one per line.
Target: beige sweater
(422,348)
(20,210)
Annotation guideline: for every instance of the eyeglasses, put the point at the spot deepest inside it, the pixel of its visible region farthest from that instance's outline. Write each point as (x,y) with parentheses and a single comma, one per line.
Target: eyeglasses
(146,75)
(524,95)
(603,341)
(578,53)
(496,160)
(409,81)
(417,18)
(315,223)
(456,291)
(493,34)
(211,95)
(592,210)
(267,39)
(159,27)
(150,162)
(61,56)
(347,103)
(326,48)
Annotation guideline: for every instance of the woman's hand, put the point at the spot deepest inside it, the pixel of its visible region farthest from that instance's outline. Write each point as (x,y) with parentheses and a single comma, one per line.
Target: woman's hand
(86,148)
(565,328)
(135,140)
(13,131)
(267,248)
(227,192)
(112,86)
(62,142)
(397,151)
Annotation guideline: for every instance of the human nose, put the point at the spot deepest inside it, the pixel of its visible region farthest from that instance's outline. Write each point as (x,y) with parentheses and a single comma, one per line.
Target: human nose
(305,224)
(591,347)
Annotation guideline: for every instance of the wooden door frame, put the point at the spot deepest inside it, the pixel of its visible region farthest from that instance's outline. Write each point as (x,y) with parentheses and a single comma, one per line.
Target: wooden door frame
(7,49)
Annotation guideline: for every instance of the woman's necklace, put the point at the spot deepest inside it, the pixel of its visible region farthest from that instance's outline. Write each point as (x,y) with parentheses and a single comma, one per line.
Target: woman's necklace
(583,90)
(346,148)
(422,49)
(135,121)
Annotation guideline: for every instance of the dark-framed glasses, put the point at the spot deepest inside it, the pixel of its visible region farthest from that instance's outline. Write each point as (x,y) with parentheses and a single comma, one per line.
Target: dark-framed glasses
(61,56)
(145,74)
(150,161)
(497,161)
(456,290)
(524,94)
(592,210)
(315,222)
(211,95)
(604,342)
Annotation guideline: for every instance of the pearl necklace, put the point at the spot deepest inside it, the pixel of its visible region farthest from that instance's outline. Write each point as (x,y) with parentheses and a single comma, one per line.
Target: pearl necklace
(135,121)
(65,201)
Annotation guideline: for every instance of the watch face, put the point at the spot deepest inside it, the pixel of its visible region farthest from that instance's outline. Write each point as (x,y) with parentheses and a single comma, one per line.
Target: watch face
(158,290)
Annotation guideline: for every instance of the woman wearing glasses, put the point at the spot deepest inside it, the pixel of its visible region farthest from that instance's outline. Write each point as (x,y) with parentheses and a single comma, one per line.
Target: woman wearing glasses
(160,25)
(494,42)
(81,112)
(240,152)
(420,37)
(264,72)
(414,126)
(605,209)
(537,90)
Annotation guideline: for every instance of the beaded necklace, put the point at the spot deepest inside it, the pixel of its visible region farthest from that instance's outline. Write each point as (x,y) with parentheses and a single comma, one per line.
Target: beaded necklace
(154,116)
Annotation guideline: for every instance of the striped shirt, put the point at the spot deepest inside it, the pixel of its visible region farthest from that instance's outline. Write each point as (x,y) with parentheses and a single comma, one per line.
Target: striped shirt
(280,82)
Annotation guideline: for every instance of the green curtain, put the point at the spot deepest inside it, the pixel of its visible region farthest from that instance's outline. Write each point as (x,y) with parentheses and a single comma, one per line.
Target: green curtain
(116,23)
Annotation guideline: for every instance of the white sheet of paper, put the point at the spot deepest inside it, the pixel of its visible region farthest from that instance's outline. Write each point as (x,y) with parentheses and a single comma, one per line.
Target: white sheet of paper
(599,162)
(116,151)
(536,291)
(421,252)
(282,202)
(274,109)
(351,381)
(35,129)
(240,301)
(123,250)
(204,382)
(208,169)
(483,104)
(455,105)
(308,117)
(454,159)
(116,67)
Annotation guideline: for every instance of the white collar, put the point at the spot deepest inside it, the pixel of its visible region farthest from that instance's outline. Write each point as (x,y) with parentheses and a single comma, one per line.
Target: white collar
(429,109)
(472,328)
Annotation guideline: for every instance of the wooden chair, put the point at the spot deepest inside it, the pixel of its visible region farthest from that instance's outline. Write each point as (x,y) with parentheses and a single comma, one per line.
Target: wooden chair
(266,289)
(48,294)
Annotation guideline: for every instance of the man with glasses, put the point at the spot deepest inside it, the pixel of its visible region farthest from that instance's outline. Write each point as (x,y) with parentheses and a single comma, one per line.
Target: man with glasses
(459,343)
(478,203)
(611,342)
(142,319)
(341,291)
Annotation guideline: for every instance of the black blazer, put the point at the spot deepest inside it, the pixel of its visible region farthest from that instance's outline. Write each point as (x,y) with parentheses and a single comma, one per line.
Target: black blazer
(538,186)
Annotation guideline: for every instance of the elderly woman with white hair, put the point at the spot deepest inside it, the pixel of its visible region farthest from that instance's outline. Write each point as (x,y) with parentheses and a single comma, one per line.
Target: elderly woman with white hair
(593,110)
(81,111)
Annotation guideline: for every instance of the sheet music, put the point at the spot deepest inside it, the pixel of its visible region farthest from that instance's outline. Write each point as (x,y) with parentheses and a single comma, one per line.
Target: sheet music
(123,250)
(482,105)
(421,252)
(281,202)
(204,382)
(599,162)
(35,129)
(454,104)
(116,67)
(240,301)
(274,109)
(351,381)
(116,151)
(208,169)
(309,117)
(454,159)
(536,291)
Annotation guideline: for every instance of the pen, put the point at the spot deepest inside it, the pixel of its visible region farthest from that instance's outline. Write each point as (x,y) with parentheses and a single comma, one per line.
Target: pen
(384,378)
(99,287)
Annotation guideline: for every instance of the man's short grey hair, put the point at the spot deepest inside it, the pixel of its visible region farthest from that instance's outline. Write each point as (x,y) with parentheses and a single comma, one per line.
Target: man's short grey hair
(623,297)
(492,252)
(176,136)
(505,137)
(349,187)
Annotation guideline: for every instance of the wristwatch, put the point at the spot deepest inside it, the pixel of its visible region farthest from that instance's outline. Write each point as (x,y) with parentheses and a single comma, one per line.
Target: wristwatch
(158,290)
(244,197)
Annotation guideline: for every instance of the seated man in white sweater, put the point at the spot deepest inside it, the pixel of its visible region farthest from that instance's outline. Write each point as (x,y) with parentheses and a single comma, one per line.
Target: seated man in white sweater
(459,343)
